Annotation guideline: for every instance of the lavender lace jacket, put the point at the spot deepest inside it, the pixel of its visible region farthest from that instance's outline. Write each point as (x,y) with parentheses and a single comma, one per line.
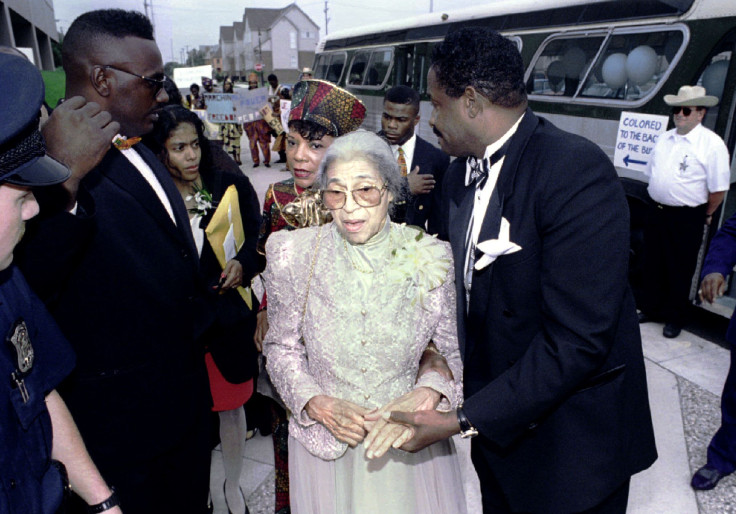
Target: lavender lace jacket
(363,332)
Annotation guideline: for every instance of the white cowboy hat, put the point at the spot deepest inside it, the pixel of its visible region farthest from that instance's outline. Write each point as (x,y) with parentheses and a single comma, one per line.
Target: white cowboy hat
(691,96)
(307,70)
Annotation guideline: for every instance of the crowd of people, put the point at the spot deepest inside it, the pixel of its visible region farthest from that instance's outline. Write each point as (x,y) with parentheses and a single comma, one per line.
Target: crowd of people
(388,298)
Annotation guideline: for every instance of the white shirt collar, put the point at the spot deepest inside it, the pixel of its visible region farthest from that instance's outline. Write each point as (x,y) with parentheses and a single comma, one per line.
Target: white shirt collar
(493,147)
(690,136)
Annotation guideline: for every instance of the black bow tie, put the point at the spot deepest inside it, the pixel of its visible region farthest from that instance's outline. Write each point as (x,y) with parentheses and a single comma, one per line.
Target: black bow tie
(479,168)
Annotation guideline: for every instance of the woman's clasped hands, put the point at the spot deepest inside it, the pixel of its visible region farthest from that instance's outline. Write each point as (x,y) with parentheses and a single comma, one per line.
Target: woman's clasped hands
(353,424)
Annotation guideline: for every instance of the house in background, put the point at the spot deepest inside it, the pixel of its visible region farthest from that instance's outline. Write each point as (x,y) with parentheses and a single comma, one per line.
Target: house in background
(30,25)
(282,40)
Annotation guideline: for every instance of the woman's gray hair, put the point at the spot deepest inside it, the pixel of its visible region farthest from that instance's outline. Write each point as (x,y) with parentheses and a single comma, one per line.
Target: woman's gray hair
(365,146)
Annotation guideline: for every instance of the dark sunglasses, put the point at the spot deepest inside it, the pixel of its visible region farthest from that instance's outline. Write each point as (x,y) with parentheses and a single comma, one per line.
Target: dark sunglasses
(686,111)
(154,84)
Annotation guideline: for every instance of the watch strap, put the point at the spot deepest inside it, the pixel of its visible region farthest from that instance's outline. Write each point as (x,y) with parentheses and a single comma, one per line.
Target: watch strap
(467,430)
(112,501)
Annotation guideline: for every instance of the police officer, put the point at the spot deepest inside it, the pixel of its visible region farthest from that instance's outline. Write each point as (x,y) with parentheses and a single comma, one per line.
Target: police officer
(42,451)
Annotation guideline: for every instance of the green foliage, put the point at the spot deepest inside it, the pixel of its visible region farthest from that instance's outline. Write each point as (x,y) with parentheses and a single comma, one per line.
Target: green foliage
(55,85)
(169,68)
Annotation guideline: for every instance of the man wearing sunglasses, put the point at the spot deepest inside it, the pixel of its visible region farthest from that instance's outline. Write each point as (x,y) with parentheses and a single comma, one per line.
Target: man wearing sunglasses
(688,177)
(119,272)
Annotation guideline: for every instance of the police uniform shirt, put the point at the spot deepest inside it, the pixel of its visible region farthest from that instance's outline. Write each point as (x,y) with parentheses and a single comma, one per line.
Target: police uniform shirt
(25,425)
(685,169)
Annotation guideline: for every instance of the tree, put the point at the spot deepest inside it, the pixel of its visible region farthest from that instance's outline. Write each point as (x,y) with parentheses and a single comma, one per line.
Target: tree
(169,68)
(195,57)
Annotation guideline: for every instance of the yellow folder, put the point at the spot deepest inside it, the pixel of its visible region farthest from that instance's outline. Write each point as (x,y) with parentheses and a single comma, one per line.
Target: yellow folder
(226,235)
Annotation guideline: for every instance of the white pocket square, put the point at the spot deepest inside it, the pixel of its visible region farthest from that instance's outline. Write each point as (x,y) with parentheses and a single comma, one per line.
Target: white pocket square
(492,248)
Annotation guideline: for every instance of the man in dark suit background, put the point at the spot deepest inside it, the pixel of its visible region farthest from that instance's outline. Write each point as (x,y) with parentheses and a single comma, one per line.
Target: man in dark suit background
(427,163)
(554,379)
(119,272)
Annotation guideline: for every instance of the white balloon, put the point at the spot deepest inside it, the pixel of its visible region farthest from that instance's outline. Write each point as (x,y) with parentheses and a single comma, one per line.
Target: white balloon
(574,62)
(614,70)
(641,64)
(714,78)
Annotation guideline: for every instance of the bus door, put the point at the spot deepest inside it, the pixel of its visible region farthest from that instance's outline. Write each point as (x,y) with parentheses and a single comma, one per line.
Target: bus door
(718,77)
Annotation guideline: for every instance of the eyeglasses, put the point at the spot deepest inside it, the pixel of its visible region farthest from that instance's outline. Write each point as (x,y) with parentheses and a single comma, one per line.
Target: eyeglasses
(368,196)
(686,111)
(155,85)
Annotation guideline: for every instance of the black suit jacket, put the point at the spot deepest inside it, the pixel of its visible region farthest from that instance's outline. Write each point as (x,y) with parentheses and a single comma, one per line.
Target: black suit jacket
(424,211)
(124,284)
(554,374)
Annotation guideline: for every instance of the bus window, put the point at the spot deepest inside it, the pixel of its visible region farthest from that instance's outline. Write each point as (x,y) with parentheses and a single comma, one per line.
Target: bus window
(329,66)
(357,68)
(632,64)
(713,78)
(370,67)
(321,65)
(561,65)
(334,72)
(378,68)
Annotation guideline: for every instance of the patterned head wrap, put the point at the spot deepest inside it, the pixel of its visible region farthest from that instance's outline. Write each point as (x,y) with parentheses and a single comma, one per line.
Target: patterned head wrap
(326,105)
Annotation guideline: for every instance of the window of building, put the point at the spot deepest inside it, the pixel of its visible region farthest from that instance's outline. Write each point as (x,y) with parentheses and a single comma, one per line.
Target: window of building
(292,40)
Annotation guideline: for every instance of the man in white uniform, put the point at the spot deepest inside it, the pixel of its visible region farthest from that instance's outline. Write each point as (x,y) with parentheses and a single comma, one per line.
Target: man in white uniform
(688,178)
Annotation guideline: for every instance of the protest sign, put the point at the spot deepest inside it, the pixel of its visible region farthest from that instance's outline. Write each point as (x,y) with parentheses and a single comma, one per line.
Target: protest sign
(637,135)
(185,77)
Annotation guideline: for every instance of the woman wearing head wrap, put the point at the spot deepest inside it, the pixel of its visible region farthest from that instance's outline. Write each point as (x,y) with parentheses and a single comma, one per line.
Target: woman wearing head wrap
(320,112)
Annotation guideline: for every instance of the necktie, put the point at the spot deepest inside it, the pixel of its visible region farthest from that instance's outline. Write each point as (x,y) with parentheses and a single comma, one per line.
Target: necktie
(402,162)
(479,168)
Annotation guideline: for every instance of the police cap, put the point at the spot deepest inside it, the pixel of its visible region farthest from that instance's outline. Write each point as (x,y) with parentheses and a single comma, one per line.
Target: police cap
(23,159)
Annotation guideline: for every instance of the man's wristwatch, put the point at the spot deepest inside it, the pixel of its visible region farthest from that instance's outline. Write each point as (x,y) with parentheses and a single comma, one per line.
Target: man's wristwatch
(466,429)
(112,501)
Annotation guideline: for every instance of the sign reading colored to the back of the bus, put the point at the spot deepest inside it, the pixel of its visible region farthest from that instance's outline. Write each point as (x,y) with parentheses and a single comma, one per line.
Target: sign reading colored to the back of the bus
(637,134)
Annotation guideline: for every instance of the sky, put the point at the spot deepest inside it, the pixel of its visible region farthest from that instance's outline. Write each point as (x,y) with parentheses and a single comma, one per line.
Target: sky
(182,24)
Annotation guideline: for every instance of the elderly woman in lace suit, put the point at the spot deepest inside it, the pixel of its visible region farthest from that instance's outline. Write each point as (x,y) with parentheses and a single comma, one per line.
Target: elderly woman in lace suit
(352,306)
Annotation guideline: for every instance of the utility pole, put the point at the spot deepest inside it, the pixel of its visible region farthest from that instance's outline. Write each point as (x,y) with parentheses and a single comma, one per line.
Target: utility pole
(327,20)
(431,5)
(173,57)
(146,5)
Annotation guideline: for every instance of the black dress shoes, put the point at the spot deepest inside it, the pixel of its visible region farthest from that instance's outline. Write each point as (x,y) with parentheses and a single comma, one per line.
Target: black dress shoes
(706,478)
(671,330)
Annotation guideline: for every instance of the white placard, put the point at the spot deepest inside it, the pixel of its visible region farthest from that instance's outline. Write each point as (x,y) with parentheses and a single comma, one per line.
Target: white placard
(285,106)
(185,77)
(637,135)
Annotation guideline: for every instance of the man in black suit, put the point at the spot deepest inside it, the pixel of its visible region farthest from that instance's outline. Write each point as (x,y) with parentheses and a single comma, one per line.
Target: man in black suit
(421,206)
(554,379)
(119,271)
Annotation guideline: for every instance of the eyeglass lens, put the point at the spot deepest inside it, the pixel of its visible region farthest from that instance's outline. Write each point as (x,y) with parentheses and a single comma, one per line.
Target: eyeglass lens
(685,110)
(155,85)
(369,196)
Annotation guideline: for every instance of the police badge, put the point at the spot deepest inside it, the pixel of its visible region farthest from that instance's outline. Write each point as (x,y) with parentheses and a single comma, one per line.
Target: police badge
(20,342)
